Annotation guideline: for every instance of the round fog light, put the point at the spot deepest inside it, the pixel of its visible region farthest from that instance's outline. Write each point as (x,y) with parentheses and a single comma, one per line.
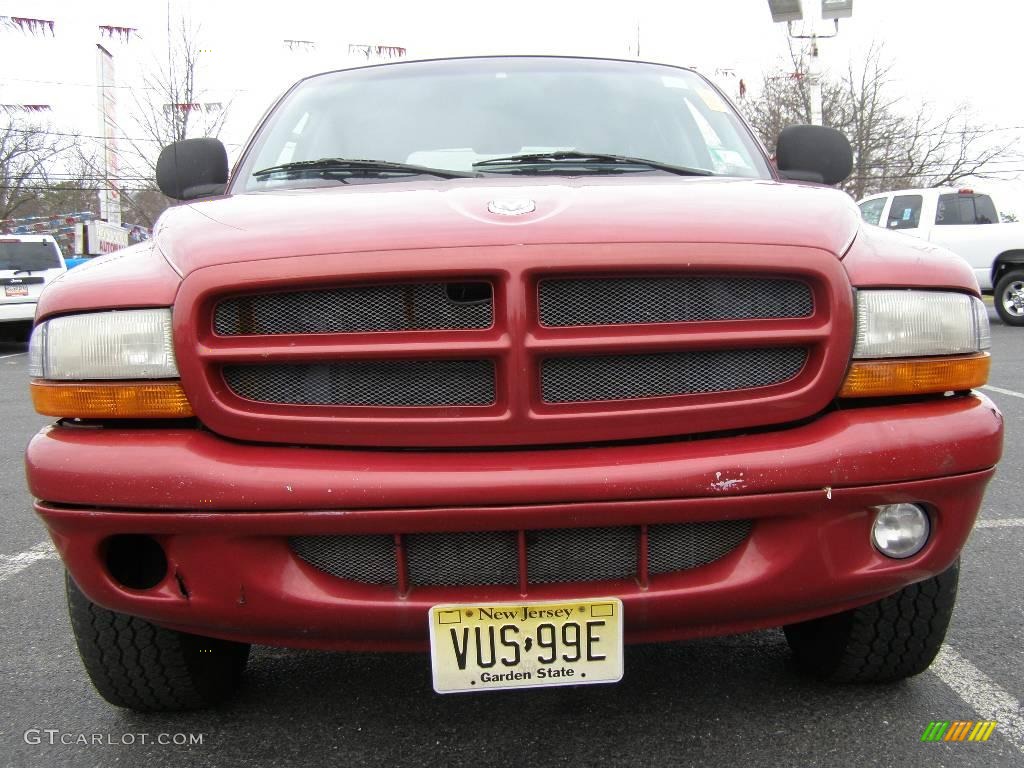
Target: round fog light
(900,530)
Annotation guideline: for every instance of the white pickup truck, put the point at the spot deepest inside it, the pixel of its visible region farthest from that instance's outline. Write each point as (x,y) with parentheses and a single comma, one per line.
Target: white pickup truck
(28,263)
(960,219)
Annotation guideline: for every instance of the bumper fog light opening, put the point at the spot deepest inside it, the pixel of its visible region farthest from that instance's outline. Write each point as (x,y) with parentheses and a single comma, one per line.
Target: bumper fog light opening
(900,530)
(135,561)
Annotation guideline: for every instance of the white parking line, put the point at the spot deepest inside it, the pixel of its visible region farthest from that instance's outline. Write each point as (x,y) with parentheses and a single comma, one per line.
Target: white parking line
(1002,391)
(4,357)
(12,564)
(980,693)
(1001,522)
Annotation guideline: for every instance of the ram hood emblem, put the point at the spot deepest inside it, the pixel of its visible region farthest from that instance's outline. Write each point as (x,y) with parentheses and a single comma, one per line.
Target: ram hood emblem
(512,207)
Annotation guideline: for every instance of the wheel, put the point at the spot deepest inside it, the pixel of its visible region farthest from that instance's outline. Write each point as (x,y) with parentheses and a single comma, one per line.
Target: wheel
(884,641)
(144,667)
(1008,298)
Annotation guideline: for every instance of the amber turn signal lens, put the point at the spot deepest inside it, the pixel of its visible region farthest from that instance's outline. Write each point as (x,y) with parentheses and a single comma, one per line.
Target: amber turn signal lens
(111,400)
(880,378)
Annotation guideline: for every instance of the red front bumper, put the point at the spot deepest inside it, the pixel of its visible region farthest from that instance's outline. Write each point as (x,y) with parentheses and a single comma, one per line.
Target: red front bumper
(224,511)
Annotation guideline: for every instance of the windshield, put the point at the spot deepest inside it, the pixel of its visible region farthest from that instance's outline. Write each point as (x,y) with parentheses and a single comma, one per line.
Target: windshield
(19,255)
(452,114)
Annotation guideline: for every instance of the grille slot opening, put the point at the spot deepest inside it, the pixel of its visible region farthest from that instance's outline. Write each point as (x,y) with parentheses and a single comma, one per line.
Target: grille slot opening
(631,377)
(375,383)
(452,306)
(639,300)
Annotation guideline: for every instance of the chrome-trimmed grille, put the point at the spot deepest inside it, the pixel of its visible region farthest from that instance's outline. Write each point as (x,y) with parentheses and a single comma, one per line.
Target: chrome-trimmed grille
(492,558)
(664,374)
(377,383)
(465,305)
(640,300)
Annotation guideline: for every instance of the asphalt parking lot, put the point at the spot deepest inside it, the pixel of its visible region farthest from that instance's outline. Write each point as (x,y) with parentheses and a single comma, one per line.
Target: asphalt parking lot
(729,701)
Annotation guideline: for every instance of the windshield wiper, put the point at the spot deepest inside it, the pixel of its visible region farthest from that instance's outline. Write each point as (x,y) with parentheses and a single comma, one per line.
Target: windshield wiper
(573,157)
(332,165)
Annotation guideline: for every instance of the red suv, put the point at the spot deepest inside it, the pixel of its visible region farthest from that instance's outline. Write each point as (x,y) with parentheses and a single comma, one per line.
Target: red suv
(515,360)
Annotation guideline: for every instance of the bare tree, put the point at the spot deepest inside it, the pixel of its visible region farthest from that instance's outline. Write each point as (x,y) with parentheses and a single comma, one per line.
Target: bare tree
(71,185)
(170,106)
(29,154)
(897,143)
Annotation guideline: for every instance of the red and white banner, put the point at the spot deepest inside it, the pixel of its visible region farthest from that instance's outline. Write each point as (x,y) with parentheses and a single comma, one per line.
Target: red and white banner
(124,34)
(300,45)
(27,25)
(26,108)
(377,51)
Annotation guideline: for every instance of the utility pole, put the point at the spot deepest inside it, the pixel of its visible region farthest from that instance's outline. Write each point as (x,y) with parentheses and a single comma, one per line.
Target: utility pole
(814,66)
(792,10)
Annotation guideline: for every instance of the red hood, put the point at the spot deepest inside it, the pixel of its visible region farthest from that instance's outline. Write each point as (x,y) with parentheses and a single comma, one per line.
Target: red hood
(396,216)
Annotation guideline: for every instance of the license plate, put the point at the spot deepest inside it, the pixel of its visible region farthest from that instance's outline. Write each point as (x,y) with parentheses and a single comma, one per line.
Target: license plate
(525,645)
(16,290)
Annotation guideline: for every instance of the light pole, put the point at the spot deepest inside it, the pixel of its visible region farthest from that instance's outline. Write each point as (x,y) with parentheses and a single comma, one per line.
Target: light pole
(789,11)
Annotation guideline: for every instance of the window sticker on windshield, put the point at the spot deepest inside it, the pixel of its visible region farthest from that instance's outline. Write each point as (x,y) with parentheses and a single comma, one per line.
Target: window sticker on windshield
(906,214)
(675,82)
(712,100)
(727,158)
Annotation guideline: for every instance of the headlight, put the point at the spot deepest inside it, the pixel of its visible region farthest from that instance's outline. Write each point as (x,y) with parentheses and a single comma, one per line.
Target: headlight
(134,344)
(917,342)
(919,323)
(112,358)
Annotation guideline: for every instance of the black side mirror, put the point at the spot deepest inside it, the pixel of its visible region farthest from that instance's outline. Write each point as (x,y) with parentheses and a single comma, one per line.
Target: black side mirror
(192,168)
(813,153)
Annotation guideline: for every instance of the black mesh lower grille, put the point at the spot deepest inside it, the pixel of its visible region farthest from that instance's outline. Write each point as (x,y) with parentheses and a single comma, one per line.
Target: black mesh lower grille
(681,546)
(454,559)
(380,383)
(581,554)
(637,300)
(630,377)
(359,309)
(556,555)
(367,559)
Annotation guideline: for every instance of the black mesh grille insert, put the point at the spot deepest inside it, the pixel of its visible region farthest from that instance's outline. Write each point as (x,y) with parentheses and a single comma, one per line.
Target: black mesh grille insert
(359,309)
(681,546)
(636,300)
(367,559)
(456,559)
(380,383)
(557,555)
(581,554)
(629,377)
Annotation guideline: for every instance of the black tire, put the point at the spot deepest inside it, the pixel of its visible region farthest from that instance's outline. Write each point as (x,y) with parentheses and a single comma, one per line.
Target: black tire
(888,640)
(1008,298)
(141,666)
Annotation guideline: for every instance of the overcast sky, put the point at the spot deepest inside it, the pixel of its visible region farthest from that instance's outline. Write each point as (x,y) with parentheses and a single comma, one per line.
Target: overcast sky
(945,52)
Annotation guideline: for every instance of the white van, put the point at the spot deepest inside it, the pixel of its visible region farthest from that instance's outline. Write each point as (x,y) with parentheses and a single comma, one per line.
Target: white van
(27,264)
